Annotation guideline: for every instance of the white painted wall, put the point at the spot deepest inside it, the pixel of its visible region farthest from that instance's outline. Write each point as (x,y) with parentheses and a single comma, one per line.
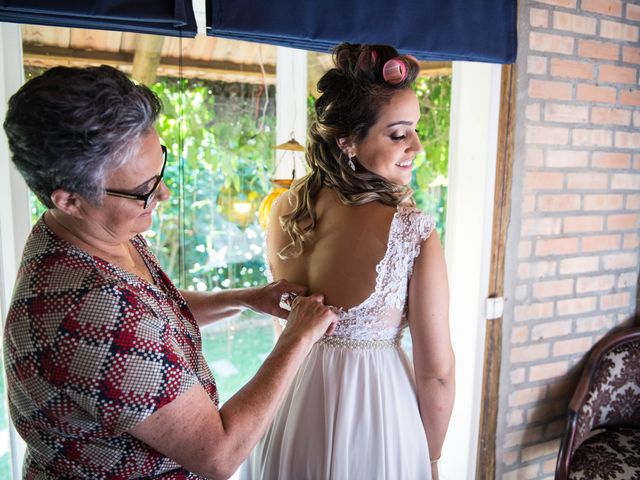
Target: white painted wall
(14,199)
(475,107)
(291,108)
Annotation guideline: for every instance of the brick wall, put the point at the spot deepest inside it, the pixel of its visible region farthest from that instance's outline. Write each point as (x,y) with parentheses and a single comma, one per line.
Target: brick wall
(573,263)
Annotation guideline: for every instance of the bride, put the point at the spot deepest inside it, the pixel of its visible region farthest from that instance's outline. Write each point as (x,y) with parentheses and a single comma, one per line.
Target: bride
(358,408)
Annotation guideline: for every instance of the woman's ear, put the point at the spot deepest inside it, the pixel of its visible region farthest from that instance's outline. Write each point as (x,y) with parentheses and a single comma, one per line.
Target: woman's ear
(66,202)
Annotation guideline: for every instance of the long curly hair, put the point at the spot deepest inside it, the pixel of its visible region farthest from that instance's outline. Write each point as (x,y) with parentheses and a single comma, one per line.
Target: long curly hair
(352,95)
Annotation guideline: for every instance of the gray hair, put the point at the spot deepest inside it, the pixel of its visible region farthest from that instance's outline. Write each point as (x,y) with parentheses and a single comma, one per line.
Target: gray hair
(69,127)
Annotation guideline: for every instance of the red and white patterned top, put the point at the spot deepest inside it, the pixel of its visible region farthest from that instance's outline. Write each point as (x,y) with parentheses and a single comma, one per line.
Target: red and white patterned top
(90,351)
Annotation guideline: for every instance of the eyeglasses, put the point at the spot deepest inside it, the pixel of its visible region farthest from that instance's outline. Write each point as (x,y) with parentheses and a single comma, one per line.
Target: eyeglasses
(147,197)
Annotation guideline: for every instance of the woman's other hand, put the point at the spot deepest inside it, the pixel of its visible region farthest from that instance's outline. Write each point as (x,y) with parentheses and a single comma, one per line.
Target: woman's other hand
(310,317)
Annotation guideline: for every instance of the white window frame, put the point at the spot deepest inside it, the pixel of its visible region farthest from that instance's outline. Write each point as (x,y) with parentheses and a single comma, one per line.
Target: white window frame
(473,145)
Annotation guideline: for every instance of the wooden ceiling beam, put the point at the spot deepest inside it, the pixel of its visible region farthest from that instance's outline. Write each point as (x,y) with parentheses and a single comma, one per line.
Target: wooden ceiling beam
(46,56)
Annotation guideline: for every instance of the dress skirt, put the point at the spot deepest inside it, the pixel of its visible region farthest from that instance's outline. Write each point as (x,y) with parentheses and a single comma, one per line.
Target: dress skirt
(351,414)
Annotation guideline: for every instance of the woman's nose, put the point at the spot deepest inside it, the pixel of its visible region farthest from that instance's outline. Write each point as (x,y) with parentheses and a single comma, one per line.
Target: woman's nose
(163,192)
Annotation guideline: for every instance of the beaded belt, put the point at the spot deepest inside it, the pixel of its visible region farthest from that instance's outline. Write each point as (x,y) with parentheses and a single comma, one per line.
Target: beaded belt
(354,343)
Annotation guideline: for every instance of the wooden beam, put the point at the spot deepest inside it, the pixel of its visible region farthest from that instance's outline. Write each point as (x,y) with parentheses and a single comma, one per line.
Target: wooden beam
(146,58)
(47,57)
(486,463)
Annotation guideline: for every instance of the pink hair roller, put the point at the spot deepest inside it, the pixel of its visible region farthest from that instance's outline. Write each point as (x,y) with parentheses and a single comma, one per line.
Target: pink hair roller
(394,71)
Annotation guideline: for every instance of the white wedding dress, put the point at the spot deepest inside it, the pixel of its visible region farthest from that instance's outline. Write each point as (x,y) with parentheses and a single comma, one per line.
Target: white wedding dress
(352,411)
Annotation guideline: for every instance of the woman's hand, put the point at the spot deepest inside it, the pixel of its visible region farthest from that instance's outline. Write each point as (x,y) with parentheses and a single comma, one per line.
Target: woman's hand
(266,299)
(310,316)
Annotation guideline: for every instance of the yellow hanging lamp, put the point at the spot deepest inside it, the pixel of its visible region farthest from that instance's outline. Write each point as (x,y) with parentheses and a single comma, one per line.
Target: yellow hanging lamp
(281,184)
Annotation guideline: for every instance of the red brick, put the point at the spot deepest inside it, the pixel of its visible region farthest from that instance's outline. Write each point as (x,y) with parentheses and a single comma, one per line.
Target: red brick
(524,248)
(618,31)
(537,270)
(611,160)
(534,181)
(595,284)
(547,135)
(633,12)
(636,120)
(572,346)
(605,7)
(538,18)
(550,90)
(627,140)
(616,261)
(557,246)
(631,240)
(515,418)
(570,266)
(593,93)
(610,116)
(603,202)
(558,203)
(532,112)
(544,331)
(633,202)
(529,353)
(615,300)
(600,243)
(571,69)
(558,112)
(550,467)
(553,288)
(560,3)
(583,223)
(631,55)
(528,472)
(541,226)
(622,222)
(517,376)
(600,50)
(510,457)
(536,65)
(544,411)
(528,203)
(546,42)
(519,334)
(535,156)
(630,97)
(583,137)
(593,324)
(628,279)
(587,181)
(574,23)
(625,181)
(566,158)
(533,311)
(576,306)
(614,74)
(547,371)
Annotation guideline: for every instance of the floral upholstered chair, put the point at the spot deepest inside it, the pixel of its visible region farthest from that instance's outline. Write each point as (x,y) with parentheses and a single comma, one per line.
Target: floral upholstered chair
(602,436)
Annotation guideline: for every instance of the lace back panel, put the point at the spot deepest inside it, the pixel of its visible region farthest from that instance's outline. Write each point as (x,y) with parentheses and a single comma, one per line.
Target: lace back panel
(383,314)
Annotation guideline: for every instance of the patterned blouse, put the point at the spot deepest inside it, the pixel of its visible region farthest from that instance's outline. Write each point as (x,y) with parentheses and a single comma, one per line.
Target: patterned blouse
(90,351)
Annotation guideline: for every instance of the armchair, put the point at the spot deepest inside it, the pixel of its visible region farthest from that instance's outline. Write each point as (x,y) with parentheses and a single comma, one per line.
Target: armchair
(602,435)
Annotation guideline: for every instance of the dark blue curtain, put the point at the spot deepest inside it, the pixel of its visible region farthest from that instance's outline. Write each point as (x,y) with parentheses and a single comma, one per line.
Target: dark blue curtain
(162,17)
(475,30)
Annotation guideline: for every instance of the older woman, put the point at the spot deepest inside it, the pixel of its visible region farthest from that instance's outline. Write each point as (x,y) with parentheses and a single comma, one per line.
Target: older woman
(106,377)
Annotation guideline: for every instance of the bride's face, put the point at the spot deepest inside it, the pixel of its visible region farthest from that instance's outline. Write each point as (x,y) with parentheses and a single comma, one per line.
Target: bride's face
(392,142)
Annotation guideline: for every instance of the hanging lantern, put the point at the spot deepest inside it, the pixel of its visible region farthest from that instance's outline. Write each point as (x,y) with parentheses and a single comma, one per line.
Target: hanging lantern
(281,184)
(267,203)
(238,206)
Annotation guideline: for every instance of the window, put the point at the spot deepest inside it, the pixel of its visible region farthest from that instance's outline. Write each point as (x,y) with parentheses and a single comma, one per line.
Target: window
(220,163)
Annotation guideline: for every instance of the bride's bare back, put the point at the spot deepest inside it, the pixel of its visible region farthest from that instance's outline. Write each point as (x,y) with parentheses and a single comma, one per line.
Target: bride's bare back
(340,259)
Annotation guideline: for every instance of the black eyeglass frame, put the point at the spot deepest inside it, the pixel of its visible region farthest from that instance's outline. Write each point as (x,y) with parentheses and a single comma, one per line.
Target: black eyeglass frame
(147,197)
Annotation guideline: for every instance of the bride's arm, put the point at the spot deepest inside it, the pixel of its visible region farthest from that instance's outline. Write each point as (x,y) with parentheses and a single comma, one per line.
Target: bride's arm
(433,357)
